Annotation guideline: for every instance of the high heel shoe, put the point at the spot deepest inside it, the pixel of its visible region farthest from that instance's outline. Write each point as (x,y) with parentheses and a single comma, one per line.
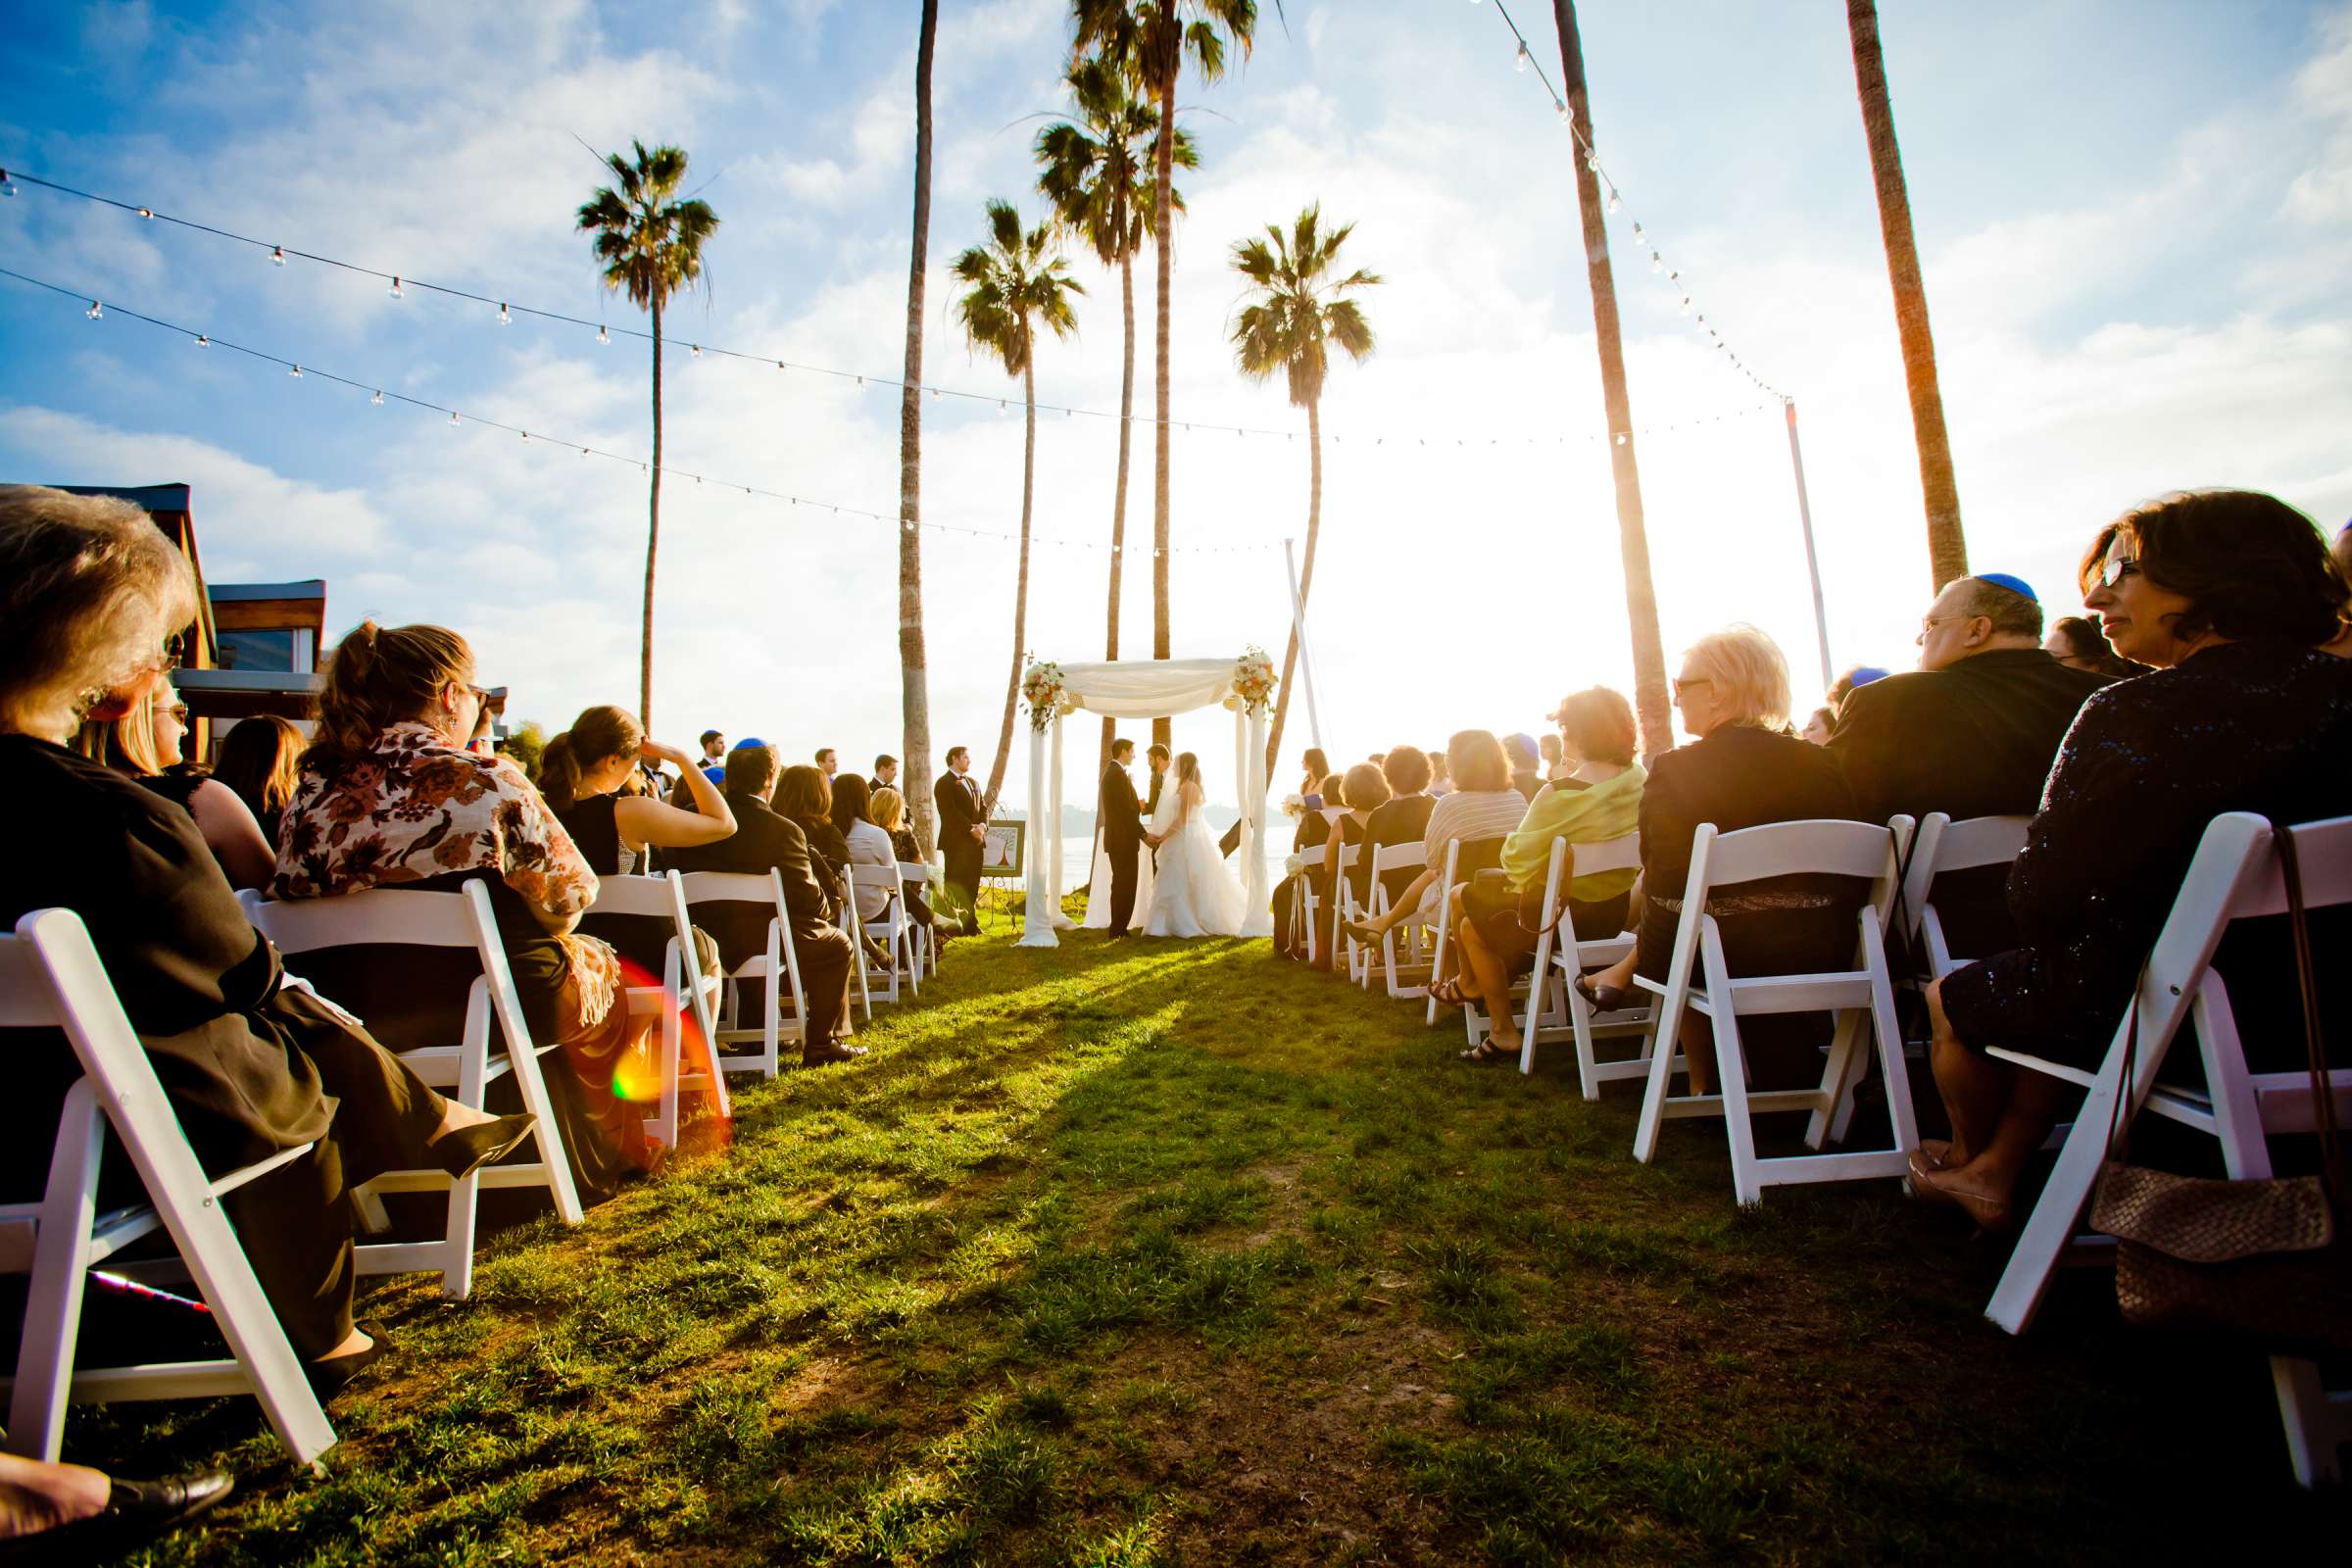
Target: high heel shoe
(465,1149)
(328,1374)
(1600,999)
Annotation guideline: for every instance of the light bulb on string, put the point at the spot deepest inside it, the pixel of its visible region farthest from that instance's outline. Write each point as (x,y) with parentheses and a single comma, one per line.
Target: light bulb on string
(147,213)
(1657,262)
(202,342)
(1561,109)
(1520,62)
(1685,307)
(396,293)
(603,336)
(377,401)
(453,417)
(295,372)
(697,349)
(96,312)
(504,320)
(1616,203)
(277,255)
(1593,160)
(7,186)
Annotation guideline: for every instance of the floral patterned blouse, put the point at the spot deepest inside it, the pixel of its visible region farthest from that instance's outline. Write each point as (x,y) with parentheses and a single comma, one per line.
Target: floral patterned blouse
(415,806)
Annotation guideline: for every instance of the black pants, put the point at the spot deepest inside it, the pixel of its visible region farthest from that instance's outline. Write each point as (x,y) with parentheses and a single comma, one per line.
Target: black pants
(1124,867)
(964,879)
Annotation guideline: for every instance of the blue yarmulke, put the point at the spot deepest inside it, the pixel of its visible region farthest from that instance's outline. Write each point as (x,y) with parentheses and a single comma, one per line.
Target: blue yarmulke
(747,743)
(1863,674)
(2015,585)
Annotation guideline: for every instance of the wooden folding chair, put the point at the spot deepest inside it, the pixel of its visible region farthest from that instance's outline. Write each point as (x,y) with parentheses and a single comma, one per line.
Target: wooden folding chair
(2233,877)
(463,1070)
(773,970)
(51,977)
(684,994)
(1561,956)
(1862,997)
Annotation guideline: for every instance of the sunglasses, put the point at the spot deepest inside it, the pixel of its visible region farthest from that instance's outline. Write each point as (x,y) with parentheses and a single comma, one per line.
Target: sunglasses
(2114,569)
(179,711)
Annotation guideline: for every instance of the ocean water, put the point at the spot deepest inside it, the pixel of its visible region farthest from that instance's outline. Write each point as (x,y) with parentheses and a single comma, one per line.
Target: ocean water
(1077,852)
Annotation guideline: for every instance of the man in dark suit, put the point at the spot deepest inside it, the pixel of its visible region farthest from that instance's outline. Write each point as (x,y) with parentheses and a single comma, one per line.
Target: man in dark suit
(1123,820)
(762,842)
(1972,732)
(962,829)
(886,774)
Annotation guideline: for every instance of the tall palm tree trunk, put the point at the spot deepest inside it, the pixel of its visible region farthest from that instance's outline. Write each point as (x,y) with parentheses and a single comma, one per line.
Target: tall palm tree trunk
(1118,500)
(1307,576)
(915,685)
(1632,539)
(1163,179)
(653,540)
(1948,546)
(1020,594)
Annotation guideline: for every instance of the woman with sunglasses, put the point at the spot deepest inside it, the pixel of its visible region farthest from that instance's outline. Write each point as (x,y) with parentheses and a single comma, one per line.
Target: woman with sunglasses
(391,797)
(2229,594)
(145,743)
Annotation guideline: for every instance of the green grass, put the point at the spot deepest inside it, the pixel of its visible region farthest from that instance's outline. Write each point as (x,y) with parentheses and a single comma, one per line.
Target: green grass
(1166,1254)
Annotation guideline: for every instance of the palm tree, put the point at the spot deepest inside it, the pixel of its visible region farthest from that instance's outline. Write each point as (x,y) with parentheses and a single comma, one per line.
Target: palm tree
(1094,174)
(1294,312)
(1947,547)
(651,247)
(1149,41)
(1015,281)
(1633,537)
(914,681)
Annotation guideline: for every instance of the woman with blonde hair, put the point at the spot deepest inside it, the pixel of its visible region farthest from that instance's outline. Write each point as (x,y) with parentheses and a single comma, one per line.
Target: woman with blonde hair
(145,743)
(1481,808)
(886,807)
(1742,768)
(261,763)
(391,798)
(90,592)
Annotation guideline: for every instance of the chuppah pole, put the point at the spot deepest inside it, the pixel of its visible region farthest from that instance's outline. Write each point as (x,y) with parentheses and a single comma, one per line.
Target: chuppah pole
(1307,657)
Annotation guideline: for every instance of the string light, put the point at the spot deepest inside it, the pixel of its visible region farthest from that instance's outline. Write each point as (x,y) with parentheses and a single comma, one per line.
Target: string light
(504,320)
(7,186)
(96,312)
(603,336)
(147,214)
(1521,64)
(277,255)
(379,399)
(202,342)
(396,293)
(295,372)
(698,350)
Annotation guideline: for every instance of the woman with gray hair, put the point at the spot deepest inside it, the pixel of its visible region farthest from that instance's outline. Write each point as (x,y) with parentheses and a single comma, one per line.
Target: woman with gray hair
(91,595)
(1744,768)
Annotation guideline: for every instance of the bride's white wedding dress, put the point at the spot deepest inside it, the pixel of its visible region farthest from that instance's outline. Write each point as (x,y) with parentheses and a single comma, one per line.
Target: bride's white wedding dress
(1193,894)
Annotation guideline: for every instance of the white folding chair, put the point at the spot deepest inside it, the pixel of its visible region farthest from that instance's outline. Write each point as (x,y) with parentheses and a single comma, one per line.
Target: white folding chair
(926,940)
(1444,928)
(1862,997)
(1396,858)
(1344,948)
(51,977)
(1561,956)
(897,931)
(772,970)
(463,1070)
(856,930)
(684,992)
(1943,845)
(2235,877)
(1306,906)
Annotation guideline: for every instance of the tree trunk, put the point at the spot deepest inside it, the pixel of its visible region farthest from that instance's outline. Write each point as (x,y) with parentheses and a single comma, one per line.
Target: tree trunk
(1020,593)
(653,540)
(1163,179)
(1307,576)
(1632,539)
(914,686)
(1118,500)
(1948,546)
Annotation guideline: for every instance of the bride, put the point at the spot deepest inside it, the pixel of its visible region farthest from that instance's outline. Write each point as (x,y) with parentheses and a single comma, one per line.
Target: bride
(1193,894)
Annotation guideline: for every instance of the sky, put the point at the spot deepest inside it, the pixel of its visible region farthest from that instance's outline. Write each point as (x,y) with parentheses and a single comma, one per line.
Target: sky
(2134,219)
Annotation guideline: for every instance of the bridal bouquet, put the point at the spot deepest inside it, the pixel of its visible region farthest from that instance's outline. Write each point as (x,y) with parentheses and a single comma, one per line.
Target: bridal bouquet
(1253,679)
(1043,689)
(1294,805)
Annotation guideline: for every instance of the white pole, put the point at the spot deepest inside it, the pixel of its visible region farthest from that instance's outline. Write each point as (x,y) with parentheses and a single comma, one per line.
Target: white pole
(1804,516)
(1306,660)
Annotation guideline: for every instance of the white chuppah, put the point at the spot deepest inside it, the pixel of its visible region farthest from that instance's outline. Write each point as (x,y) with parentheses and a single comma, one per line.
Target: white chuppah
(1143,688)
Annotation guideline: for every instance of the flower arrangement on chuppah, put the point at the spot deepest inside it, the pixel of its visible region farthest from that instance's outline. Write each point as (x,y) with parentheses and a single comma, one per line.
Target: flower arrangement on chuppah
(1254,680)
(1046,692)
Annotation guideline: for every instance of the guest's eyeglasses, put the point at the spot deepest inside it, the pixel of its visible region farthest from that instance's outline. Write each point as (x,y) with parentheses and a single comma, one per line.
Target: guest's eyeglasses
(1928,624)
(179,711)
(1682,688)
(2114,569)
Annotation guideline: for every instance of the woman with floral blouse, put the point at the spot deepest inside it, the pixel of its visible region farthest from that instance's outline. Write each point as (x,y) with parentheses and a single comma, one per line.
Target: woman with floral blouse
(391,798)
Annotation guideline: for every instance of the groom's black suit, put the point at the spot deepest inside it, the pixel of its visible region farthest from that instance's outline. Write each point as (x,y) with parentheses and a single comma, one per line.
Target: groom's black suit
(1122,822)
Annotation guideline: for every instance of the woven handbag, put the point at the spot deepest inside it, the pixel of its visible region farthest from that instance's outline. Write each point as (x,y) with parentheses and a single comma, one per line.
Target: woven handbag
(2264,1261)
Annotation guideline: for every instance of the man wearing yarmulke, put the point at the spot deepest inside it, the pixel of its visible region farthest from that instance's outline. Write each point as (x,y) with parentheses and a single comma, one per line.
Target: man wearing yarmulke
(1972,732)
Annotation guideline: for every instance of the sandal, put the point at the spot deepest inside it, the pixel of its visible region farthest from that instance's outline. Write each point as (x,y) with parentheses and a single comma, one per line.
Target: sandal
(1600,999)
(1450,994)
(1490,1050)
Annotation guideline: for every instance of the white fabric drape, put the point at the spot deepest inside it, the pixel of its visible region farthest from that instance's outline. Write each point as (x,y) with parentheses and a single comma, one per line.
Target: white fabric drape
(1152,688)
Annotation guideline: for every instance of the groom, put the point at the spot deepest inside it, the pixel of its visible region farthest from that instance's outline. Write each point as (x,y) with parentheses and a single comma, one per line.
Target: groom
(1122,833)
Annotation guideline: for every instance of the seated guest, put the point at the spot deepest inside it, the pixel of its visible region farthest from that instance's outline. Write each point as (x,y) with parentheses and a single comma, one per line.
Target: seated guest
(765,841)
(2078,644)
(89,592)
(1313,832)
(2340,645)
(1818,728)
(589,776)
(1439,786)
(2228,594)
(1848,683)
(1363,789)
(390,798)
(1404,816)
(1526,761)
(888,809)
(145,743)
(804,797)
(1499,912)
(864,844)
(1742,769)
(1483,808)
(260,762)
(1549,743)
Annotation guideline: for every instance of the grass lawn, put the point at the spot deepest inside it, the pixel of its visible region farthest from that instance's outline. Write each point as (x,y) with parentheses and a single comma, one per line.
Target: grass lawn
(1167,1253)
